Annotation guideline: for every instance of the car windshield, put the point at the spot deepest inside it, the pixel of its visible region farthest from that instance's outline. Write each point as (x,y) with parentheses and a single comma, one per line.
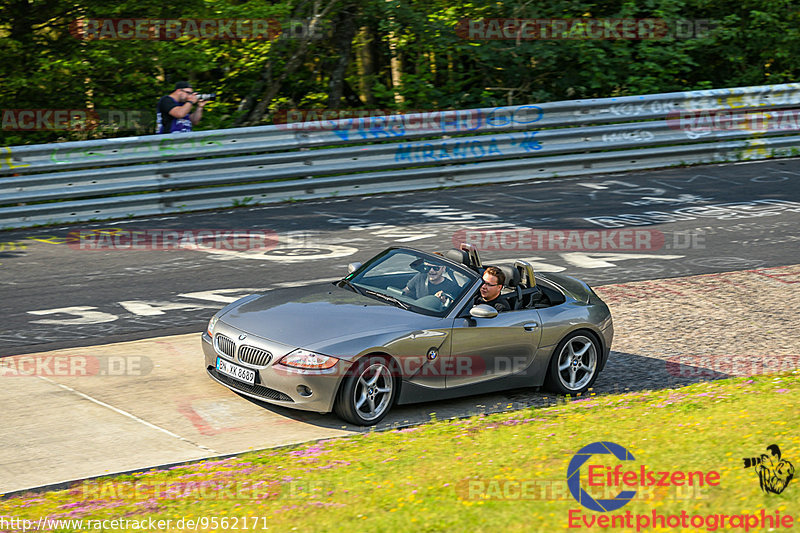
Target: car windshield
(423,283)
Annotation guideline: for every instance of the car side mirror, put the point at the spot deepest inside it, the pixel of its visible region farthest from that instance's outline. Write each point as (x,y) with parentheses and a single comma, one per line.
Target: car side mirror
(483,311)
(352,267)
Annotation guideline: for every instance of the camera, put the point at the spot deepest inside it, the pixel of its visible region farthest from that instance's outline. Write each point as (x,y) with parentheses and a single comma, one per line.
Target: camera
(207,96)
(751,461)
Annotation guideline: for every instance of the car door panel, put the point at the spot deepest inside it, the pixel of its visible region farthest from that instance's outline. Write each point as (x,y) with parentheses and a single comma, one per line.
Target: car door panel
(419,355)
(483,349)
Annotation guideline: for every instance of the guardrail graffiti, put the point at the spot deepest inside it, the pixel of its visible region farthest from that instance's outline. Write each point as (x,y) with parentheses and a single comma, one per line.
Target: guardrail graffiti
(348,153)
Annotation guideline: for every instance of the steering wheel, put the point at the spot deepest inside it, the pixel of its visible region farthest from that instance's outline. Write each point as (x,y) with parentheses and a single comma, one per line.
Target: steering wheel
(446,298)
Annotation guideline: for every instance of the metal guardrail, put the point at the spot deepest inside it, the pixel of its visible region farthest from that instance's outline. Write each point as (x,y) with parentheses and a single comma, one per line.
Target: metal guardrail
(132,176)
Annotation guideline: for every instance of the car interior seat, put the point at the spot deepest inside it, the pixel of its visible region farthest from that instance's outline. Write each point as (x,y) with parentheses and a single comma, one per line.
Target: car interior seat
(467,255)
(531,294)
(513,291)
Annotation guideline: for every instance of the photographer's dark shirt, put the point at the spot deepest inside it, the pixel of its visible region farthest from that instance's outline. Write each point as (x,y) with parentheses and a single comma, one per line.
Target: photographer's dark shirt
(166,123)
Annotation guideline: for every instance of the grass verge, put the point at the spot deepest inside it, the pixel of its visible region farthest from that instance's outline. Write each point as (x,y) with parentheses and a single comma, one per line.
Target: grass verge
(505,471)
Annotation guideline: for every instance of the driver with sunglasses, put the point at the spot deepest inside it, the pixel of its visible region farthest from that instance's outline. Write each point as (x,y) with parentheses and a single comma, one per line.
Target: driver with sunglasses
(432,281)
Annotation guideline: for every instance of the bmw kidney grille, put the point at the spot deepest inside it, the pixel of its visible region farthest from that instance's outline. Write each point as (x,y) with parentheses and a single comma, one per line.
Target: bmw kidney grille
(254,356)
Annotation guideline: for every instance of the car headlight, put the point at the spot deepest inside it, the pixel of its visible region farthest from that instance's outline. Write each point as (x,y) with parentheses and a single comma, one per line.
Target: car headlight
(300,358)
(211,324)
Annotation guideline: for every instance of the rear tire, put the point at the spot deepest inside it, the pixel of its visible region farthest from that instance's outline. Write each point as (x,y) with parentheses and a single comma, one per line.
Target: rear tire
(575,364)
(368,392)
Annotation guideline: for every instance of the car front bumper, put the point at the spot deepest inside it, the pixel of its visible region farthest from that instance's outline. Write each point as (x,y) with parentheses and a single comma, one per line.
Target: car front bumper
(308,390)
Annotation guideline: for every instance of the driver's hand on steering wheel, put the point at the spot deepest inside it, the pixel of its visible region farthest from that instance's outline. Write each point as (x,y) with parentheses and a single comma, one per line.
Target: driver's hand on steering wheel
(445,298)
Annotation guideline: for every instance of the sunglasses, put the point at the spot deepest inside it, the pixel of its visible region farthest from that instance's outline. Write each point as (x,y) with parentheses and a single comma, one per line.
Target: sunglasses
(429,268)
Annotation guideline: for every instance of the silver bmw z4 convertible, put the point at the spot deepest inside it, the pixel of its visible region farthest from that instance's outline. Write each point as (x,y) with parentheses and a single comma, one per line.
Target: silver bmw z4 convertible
(408,326)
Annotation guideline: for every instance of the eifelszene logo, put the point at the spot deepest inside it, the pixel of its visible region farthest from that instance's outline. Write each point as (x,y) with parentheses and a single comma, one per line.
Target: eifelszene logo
(598,461)
(599,476)
(574,477)
(774,473)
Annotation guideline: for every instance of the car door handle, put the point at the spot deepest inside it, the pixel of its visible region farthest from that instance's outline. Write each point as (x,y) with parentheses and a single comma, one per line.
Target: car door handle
(530,326)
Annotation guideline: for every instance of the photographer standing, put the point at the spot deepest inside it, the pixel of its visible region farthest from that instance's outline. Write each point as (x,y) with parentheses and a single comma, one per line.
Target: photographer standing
(174,113)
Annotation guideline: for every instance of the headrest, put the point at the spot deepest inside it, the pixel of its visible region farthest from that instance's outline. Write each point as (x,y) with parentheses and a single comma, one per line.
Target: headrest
(527,276)
(459,256)
(512,276)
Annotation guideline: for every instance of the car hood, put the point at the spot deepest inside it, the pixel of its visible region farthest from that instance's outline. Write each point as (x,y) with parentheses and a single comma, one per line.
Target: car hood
(312,317)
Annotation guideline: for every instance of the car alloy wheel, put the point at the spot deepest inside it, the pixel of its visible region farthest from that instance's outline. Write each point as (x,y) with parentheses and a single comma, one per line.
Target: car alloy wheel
(574,365)
(368,393)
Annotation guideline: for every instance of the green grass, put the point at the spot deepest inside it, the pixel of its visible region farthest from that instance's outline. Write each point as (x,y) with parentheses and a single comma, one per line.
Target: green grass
(418,479)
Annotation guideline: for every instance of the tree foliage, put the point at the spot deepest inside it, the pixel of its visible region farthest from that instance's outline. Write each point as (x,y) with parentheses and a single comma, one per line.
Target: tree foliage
(377,54)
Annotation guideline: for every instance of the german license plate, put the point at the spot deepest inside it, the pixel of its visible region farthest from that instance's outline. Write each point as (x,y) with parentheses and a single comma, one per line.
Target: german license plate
(235,371)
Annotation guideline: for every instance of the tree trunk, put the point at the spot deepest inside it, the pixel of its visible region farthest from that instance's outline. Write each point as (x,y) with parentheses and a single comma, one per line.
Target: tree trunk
(344,32)
(396,65)
(397,69)
(249,101)
(350,96)
(258,111)
(365,62)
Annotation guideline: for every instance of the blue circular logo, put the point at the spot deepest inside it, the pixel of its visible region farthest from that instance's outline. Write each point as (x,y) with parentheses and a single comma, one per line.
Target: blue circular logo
(574,477)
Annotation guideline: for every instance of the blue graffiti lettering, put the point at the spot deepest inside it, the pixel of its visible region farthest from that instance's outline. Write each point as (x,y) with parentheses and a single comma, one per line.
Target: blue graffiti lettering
(476,148)
(391,126)
(529,143)
(464,120)
(505,116)
(403,152)
(456,149)
(536,115)
(436,121)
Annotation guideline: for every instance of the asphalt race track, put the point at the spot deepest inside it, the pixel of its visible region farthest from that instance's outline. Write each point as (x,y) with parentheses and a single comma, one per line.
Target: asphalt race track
(705,219)
(148,400)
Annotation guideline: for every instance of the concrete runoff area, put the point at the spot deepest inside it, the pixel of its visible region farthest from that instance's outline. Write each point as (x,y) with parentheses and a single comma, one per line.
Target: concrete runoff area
(66,427)
(84,412)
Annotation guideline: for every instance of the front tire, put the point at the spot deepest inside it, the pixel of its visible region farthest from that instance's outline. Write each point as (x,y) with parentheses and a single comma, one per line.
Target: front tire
(575,364)
(367,393)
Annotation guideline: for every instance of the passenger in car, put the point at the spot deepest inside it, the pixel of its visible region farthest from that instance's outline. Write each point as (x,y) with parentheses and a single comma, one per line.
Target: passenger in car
(493,280)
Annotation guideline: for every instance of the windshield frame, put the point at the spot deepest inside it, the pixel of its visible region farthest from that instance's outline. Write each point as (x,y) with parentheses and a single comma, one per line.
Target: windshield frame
(466,291)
